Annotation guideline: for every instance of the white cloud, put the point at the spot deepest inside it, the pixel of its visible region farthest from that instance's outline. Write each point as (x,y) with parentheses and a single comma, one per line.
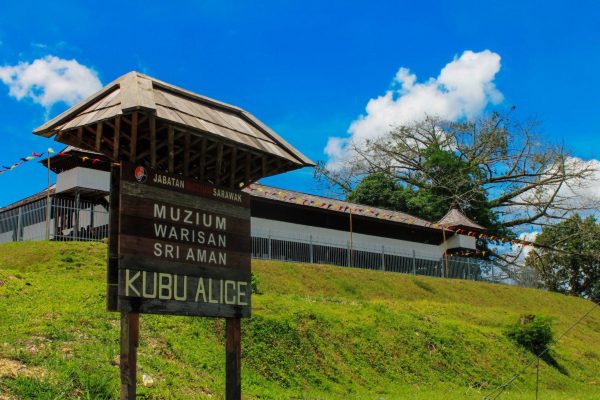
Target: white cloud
(463,88)
(50,80)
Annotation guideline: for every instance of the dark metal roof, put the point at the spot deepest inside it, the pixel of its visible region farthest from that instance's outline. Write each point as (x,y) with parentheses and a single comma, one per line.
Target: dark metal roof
(340,206)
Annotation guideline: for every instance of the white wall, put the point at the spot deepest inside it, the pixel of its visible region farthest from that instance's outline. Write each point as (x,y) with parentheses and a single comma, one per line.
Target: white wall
(278,229)
(83,178)
(462,241)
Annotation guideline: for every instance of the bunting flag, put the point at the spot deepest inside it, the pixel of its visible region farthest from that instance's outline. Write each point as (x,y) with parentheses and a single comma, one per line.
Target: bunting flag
(23,160)
(397,218)
(34,155)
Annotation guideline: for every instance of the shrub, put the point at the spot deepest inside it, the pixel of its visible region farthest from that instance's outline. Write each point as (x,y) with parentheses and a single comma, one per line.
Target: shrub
(255,281)
(533,332)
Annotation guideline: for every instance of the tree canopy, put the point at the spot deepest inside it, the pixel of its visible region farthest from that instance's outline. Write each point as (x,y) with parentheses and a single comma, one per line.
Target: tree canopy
(497,171)
(575,268)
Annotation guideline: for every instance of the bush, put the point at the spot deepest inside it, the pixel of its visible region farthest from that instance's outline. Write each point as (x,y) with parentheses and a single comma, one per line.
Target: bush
(595,297)
(534,332)
(255,281)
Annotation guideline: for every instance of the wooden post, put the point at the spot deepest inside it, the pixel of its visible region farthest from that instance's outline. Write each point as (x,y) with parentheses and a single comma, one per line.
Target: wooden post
(130,333)
(76,215)
(48,209)
(171,144)
(186,155)
(152,141)
(117,138)
(133,138)
(233,352)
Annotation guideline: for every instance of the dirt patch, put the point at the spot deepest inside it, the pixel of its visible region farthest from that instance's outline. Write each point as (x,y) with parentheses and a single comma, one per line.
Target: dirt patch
(11,368)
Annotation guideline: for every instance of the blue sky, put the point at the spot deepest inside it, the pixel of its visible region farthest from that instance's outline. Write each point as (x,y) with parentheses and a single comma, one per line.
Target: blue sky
(305,68)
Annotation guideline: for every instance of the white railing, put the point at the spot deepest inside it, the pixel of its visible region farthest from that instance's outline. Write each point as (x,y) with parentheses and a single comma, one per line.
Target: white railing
(86,221)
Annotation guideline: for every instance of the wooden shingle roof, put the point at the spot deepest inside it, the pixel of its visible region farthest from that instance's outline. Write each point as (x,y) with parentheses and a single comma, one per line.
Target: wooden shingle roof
(454,218)
(152,105)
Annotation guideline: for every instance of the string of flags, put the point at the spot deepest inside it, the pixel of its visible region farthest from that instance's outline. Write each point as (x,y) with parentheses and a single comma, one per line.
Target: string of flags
(93,160)
(22,160)
(307,202)
(319,203)
(34,155)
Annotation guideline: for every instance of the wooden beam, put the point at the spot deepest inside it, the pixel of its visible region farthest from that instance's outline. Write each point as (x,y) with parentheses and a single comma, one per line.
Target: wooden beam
(79,135)
(130,333)
(247,168)
(152,141)
(133,137)
(202,174)
(171,139)
(219,163)
(117,137)
(99,135)
(233,367)
(264,166)
(232,165)
(186,154)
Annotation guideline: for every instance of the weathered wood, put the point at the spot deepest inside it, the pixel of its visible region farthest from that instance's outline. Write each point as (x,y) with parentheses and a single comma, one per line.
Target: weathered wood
(202,174)
(130,333)
(232,166)
(219,164)
(233,358)
(152,122)
(117,138)
(186,154)
(137,93)
(99,135)
(112,276)
(133,137)
(247,168)
(184,246)
(171,139)
(79,135)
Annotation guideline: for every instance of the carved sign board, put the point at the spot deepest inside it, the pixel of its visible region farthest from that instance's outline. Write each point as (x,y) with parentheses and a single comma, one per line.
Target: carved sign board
(183,246)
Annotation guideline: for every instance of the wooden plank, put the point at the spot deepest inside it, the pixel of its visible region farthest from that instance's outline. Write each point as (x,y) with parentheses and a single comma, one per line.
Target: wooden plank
(171,139)
(117,138)
(136,94)
(99,135)
(152,122)
(133,137)
(233,365)
(186,154)
(232,167)
(219,164)
(130,333)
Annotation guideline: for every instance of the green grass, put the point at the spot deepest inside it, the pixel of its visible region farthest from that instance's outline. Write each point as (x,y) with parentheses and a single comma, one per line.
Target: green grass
(317,332)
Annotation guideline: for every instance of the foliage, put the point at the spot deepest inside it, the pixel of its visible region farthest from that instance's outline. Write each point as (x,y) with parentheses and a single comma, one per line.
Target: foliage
(575,268)
(534,332)
(430,201)
(488,168)
(254,282)
(316,332)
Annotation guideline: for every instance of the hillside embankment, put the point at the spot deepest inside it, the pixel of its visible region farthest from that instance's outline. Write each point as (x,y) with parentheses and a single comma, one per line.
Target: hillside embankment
(317,332)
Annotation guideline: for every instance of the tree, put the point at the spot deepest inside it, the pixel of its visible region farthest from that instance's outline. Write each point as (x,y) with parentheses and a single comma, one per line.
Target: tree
(575,268)
(496,170)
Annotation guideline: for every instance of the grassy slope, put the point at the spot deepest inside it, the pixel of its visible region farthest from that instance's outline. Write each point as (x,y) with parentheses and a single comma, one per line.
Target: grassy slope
(317,332)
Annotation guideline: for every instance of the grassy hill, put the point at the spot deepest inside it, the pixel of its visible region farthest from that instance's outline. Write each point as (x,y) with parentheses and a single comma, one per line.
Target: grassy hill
(317,332)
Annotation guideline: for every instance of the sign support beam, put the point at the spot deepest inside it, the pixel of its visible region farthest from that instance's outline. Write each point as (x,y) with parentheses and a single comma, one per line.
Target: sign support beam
(233,365)
(130,334)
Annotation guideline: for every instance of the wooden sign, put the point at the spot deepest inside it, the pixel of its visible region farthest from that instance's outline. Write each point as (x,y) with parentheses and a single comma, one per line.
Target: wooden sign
(183,246)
